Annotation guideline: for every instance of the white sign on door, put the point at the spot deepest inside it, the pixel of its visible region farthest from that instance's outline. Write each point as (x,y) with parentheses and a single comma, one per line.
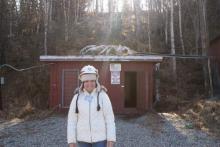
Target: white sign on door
(115,67)
(115,77)
(2,80)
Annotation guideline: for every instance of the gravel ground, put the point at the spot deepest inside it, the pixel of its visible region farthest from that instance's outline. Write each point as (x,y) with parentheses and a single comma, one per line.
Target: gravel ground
(156,130)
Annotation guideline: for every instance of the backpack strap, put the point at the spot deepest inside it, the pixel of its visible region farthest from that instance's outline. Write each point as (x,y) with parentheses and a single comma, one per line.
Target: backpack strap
(98,105)
(102,88)
(77,110)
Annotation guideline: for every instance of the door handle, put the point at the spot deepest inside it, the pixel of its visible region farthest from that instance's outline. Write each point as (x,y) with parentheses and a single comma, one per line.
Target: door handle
(122,86)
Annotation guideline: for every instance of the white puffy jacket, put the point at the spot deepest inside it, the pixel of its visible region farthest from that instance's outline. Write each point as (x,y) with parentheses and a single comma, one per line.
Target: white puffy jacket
(90,125)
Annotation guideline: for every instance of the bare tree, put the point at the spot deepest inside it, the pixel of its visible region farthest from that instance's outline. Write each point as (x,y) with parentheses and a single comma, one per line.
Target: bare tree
(204,40)
(38,19)
(172,38)
(77,5)
(11,14)
(203,26)
(66,11)
(138,21)
(97,6)
(194,16)
(166,20)
(102,6)
(110,9)
(50,14)
(196,26)
(148,25)
(180,27)
(46,15)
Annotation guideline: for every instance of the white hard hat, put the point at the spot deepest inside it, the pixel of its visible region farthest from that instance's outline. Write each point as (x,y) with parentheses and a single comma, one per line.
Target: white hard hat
(88,72)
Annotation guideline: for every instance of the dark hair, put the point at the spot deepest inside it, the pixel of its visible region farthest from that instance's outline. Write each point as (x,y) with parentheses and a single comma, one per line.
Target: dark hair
(98,105)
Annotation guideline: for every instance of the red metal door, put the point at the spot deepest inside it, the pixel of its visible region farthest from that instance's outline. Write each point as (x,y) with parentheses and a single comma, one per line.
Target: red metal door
(69,83)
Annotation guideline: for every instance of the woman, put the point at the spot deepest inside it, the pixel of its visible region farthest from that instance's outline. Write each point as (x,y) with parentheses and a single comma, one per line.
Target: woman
(90,119)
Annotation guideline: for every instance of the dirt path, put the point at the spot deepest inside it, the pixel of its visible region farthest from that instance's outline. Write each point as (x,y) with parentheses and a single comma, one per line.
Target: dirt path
(157,130)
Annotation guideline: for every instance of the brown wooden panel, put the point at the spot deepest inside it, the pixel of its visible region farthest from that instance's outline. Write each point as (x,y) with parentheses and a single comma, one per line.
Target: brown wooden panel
(54,100)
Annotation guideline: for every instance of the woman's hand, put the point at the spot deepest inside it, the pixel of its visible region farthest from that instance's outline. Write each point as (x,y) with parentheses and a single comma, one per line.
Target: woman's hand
(72,145)
(109,143)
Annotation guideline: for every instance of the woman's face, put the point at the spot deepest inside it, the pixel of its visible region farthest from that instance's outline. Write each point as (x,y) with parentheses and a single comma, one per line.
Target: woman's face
(89,85)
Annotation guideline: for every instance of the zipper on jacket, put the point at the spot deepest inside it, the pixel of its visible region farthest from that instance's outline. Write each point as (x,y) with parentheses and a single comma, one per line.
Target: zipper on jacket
(90,121)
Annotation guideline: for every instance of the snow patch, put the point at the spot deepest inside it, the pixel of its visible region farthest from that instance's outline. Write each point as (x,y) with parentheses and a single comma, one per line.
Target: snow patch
(107,50)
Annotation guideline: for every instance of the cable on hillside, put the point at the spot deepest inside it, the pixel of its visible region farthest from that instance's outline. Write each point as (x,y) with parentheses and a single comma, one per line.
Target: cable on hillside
(23,69)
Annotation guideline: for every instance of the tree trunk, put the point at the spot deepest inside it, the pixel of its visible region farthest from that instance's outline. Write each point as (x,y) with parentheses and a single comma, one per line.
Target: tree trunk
(76,10)
(46,8)
(203,23)
(102,6)
(172,39)
(196,28)
(110,3)
(149,27)
(66,11)
(11,19)
(197,31)
(166,22)
(138,23)
(97,6)
(110,9)
(38,20)
(50,14)
(204,39)
(180,27)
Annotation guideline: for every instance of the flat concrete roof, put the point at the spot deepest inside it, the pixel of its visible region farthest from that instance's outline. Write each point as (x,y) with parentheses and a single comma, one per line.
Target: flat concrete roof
(149,58)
